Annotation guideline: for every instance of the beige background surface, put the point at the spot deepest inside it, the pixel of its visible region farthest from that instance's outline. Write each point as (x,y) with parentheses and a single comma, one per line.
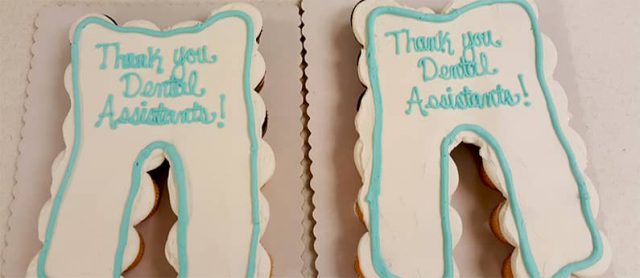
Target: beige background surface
(599,48)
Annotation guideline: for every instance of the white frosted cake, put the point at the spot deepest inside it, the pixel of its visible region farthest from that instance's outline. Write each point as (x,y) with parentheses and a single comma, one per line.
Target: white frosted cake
(139,96)
(480,73)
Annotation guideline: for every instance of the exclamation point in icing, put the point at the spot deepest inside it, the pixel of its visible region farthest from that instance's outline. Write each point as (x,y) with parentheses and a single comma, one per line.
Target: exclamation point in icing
(222,112)
(524,90)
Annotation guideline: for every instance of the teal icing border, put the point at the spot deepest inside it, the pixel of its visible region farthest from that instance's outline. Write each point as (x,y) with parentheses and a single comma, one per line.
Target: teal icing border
(177,167)
(445,205)
(373,195)
(253,137)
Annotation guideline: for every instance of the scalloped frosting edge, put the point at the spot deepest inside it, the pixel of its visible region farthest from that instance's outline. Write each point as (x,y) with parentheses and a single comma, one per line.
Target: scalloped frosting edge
(363,156)
(145,199)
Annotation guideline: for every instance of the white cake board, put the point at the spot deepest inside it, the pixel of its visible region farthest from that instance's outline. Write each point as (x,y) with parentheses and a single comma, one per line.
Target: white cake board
(596,69)
(47,105)
(599,50)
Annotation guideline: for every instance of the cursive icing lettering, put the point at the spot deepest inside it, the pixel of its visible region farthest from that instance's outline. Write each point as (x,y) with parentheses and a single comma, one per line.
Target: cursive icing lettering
(130,60)
(440,42)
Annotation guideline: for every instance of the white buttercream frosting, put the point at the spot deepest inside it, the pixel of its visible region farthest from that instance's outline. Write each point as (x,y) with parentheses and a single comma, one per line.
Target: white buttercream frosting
(216,159)
(410,226)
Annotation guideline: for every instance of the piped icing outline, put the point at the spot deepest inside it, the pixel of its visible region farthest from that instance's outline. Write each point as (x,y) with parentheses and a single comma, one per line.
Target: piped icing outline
(177,168)
(255,142)
(380,267)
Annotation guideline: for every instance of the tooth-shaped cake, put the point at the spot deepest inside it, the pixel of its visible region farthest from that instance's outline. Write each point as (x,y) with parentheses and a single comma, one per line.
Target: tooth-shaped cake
(140,95)
(478,73)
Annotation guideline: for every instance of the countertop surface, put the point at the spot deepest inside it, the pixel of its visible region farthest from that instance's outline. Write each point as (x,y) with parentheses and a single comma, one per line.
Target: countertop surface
(602,58)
